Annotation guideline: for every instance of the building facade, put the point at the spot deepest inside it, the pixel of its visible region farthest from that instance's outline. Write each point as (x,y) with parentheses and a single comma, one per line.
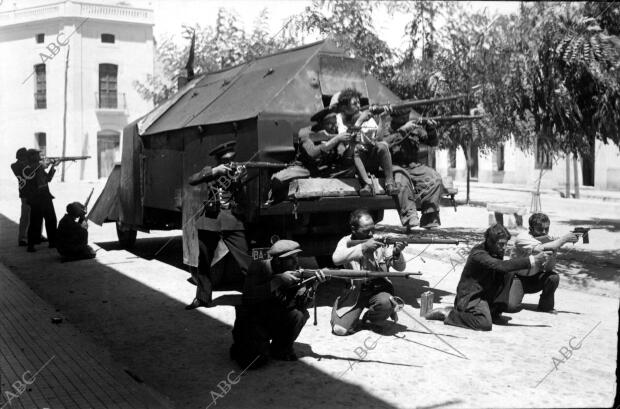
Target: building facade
(513,166)
(66,80)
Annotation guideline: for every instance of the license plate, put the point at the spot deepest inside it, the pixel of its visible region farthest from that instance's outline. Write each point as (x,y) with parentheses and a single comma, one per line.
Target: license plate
(260,253)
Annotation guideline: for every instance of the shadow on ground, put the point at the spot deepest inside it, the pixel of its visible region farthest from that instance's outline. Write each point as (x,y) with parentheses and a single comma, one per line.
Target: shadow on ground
(183,354)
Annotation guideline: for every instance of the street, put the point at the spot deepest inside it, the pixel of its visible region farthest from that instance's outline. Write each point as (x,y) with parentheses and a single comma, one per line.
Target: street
(130,304)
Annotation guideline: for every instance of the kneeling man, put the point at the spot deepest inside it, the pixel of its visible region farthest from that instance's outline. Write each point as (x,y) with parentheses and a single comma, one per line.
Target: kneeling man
(482,292)
(72,234)
(271,315)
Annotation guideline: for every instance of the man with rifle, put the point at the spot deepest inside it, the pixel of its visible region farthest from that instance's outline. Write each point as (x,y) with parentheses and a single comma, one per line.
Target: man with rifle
(224,234)
(273,309)
(374,294)
(39,199)
(542,279)
(72,235)
(483,291)
(368,152)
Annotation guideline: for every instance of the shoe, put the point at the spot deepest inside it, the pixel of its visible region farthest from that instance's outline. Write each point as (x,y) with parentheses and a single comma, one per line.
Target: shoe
(196,303)
(391,189)
(22,243)
(499,319)
(430,220)
(43,240)
(551,311)
(191,281)
(367,190)
(31,249)
(438,314)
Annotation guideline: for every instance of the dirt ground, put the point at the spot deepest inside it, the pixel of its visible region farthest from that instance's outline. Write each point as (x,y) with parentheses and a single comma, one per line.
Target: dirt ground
(131,303)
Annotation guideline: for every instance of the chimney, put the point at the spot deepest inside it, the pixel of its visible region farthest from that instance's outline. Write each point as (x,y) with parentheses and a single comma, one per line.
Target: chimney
(182,79)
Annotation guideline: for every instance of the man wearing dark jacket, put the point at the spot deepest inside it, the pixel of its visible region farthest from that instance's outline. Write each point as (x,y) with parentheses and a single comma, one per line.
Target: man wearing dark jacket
(269,320)
(72,234)
(40,200)
(18,171)
(483,290)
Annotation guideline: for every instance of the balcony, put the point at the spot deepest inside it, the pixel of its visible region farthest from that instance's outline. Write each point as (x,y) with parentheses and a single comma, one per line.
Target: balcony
(111,101)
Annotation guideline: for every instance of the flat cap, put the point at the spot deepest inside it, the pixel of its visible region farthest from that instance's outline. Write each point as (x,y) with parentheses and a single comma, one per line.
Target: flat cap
(284,248)
(221,150)
(75,209)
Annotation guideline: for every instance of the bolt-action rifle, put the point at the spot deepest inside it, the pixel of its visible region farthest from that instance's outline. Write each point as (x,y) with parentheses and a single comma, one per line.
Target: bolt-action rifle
(55,160)
(388,239)
(302,293)
(82,218)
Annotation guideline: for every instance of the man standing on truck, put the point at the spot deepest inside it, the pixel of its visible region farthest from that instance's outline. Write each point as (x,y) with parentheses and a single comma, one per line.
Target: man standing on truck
(224,233)
(368,151)
(374,294)
(419,184)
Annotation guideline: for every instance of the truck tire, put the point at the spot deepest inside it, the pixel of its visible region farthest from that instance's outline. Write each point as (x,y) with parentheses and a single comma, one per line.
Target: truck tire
(126,235)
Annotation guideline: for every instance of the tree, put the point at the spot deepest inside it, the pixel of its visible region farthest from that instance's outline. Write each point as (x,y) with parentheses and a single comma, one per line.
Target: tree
(216,48)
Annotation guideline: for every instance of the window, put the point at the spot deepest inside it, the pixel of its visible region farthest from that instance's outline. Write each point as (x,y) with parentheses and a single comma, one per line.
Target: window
(108,97)
(543,157)
(107,38)
(40,96)
(40,38)
(452,157)
(41,140)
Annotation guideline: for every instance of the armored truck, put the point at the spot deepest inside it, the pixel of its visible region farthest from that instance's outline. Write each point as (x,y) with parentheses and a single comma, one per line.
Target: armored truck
(261,105)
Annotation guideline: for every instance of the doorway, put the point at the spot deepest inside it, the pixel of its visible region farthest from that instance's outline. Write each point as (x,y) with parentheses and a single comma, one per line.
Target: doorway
(108,151)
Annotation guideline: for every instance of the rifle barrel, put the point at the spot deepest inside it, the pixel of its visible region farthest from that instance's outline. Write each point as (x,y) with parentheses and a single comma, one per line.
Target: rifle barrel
(262,165)
(408,240)
(348,273)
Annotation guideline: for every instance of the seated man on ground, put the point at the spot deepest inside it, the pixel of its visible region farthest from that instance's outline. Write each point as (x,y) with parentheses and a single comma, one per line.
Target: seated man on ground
(374,294)
(420,185)
(369,153)
(271,315)
(72,234)
(483,290)
(541,279)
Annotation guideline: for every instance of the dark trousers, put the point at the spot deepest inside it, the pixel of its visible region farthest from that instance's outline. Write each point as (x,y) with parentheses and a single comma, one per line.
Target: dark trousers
(370,157)
(476,313)
(420,189)
(546,282)
(236,262)
(83,252)
(264,327)
(42,208)
(376,299)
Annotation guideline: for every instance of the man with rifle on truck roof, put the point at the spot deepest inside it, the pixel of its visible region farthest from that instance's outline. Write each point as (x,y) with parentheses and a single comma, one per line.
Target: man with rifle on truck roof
(374,294)
(321,152)
(224,234)
(420,185)
(369,153)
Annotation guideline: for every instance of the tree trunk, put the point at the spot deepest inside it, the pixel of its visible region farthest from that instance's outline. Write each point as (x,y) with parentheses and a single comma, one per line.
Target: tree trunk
(567,190)
(576,176)
(467,166)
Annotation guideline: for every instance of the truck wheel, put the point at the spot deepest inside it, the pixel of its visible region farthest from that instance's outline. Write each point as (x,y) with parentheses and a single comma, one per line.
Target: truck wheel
(126,235)
(325,260)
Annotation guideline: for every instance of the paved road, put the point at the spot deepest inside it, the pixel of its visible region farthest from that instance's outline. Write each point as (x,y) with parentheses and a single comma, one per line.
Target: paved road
(131,305)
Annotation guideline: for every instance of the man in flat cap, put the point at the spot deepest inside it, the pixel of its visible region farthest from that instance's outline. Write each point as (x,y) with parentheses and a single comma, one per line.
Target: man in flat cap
(40,200)
(72,234)
(270,318)
(483,290)
(18,170)
(224,233)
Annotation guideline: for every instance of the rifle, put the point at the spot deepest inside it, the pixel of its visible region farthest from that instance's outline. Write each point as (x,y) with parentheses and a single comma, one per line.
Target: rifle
(376,109)
(399,137)
(82,218)
(239,167)
(583,232)
(388,239)
(297,296)
(55,160)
